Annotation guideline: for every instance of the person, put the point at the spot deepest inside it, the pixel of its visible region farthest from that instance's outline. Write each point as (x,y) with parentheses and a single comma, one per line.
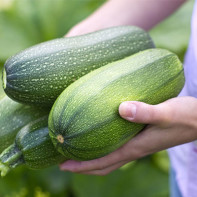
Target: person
(172,124)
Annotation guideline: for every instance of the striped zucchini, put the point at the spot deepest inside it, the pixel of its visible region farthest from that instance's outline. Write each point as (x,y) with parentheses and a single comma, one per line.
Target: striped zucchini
(39,74)
(2,93)
(32,147)
(13,116)
(84,122)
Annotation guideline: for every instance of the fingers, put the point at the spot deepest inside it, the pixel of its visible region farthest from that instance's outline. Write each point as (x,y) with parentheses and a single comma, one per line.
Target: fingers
(144,113)
(141,113)
(100,172)
(152,139)
(96,164)
(104,165)
(173,111)
(105,171)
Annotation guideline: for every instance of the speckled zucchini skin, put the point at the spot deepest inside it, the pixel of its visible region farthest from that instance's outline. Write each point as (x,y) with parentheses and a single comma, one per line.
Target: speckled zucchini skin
(13,116)
(39,74)
(2,93)
(32,147)
(84,122)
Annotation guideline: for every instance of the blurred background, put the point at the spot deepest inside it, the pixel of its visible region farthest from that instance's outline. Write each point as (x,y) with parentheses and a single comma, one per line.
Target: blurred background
(26,22)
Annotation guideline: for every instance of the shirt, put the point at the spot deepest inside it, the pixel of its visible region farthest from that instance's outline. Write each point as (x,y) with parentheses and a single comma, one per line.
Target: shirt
(184,157)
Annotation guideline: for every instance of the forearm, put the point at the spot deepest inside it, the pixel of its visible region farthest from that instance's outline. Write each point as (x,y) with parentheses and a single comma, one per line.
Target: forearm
(143,13)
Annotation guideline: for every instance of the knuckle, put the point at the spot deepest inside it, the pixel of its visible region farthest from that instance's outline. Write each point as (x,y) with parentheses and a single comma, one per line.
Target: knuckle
(146,113)
(155,113)
(162,114)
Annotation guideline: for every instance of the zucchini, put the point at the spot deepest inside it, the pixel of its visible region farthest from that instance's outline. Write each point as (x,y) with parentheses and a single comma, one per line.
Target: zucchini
(84,122)
(2,93)
(32,147)
(39,74)
(13,116)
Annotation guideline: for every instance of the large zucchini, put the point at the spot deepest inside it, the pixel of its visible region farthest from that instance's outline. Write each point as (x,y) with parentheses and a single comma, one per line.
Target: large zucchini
(40,73)
(32,147)
(84,122)
(13,116)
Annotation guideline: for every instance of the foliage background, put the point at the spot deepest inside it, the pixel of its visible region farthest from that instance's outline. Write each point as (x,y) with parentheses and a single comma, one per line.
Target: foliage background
(24,23)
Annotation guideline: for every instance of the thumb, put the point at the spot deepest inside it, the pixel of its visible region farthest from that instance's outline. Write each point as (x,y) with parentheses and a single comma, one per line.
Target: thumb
(140,112)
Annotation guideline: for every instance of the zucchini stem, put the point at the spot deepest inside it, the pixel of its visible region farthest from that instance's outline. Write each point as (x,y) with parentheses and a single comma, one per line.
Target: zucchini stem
(10,158)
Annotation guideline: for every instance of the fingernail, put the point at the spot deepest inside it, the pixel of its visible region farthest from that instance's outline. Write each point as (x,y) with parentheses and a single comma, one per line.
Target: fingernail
(127,110)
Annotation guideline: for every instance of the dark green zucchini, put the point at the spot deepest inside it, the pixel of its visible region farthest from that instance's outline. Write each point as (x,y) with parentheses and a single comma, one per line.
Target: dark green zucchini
(84,122)
(2,93)
(39,74)
(32,147)
(13,116)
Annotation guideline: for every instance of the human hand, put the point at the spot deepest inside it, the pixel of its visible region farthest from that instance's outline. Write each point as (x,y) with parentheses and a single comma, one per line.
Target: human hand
(171,123)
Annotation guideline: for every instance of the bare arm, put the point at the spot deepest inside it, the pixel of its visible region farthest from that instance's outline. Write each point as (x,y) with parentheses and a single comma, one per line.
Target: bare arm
(143,13)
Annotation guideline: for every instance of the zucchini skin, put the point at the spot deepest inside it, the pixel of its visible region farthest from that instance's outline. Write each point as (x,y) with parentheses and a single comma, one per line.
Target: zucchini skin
(39,74)
(2,93)
(32,147)
(13,116)
(84,122)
